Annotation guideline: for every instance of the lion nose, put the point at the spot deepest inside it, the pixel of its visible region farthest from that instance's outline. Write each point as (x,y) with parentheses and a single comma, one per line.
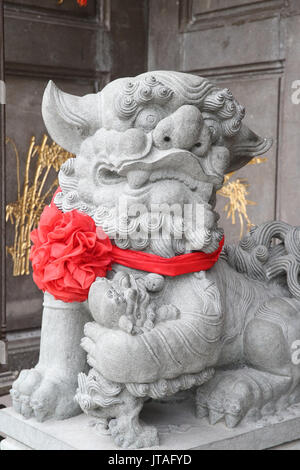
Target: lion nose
(137,178)
(180,130)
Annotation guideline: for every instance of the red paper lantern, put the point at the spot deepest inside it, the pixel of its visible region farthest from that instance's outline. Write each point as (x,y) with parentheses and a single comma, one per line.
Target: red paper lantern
(82,3)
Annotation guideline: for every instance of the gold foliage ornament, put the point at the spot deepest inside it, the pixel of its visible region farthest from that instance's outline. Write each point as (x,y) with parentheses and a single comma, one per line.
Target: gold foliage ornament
(237,191)
(25,213)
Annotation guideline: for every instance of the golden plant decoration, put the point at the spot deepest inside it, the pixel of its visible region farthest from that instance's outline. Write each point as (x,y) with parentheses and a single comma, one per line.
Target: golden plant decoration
(25,213)
(237,191)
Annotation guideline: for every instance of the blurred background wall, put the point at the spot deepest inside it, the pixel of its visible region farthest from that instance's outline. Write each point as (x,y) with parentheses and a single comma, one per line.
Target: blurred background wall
(250,46)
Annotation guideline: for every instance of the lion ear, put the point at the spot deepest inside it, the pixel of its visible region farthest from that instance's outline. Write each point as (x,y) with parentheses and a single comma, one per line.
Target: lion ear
(245,146)
(70,119)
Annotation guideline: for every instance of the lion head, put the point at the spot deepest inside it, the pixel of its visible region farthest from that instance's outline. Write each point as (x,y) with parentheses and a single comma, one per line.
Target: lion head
(151,153)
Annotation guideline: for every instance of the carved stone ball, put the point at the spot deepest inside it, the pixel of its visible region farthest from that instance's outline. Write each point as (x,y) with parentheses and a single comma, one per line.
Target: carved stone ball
(154,282)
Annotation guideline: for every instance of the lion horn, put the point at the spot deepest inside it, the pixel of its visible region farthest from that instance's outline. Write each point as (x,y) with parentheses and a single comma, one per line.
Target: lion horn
(70,119)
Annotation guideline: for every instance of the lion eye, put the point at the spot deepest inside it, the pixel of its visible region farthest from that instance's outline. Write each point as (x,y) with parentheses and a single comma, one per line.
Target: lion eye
(148,118)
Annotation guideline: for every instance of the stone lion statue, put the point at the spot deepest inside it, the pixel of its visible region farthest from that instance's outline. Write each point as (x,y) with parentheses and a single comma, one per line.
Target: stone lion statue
(226,334)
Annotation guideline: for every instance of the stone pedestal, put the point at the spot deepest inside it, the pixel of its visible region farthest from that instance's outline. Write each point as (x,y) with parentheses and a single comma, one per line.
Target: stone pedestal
(178,430)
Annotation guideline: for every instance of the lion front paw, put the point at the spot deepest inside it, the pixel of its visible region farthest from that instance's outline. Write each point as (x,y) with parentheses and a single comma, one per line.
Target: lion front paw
(43,396)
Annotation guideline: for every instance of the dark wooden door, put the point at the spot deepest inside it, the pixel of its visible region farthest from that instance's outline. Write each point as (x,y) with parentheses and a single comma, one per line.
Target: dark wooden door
(252,47)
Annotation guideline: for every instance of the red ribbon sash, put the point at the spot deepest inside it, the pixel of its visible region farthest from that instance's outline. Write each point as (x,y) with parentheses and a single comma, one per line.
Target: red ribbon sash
(69,252)
(183,264)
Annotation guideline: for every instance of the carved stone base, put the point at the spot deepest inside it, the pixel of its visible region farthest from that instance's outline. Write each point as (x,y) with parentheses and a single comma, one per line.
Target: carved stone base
(177,426)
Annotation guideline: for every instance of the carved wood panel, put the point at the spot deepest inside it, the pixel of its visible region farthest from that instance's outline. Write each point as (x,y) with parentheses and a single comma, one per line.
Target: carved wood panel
(206,6)
(67,7)
(204,14)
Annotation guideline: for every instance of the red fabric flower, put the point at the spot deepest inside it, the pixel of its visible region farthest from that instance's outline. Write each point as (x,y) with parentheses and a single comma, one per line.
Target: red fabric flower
(69,252)
(67,255)
(82,3)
